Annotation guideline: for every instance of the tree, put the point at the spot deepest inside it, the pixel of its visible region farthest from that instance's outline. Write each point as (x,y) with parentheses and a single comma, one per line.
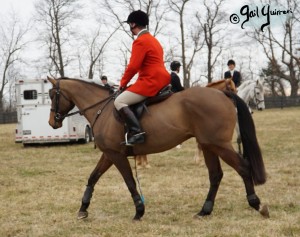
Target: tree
(178,7)
(280,49)
(155,9)
(273,82)
(95,46)
(12,42)
(211,23)
(54,18)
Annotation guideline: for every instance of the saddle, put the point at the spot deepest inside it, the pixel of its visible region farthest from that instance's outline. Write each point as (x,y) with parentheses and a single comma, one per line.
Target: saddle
(139,108)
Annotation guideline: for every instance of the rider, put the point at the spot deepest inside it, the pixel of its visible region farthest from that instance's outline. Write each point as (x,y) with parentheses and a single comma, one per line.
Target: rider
(104,81)
(146,60)
(233,74)
(175,80)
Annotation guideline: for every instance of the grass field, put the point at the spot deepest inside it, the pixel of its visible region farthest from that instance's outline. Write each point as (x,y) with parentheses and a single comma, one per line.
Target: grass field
(41,190)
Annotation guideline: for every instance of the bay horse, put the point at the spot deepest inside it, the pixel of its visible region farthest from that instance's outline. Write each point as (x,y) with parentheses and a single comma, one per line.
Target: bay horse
(250,90)
(224,85)
(207,114)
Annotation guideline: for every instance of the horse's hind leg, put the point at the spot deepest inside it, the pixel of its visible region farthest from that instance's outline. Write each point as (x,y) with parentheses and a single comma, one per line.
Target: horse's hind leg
(103,165)
(215,176)
(242,166)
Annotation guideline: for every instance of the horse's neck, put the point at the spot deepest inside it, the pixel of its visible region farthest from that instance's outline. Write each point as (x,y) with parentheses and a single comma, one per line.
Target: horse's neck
(246,92)
(84,96)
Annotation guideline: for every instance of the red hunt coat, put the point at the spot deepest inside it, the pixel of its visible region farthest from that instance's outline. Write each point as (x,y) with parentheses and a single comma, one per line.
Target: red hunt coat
(146,60)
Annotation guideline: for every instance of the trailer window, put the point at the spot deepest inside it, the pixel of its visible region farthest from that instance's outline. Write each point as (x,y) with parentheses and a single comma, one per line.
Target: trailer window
(30,95)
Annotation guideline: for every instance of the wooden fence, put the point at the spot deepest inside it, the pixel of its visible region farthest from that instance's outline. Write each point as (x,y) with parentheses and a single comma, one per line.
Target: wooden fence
(281,102)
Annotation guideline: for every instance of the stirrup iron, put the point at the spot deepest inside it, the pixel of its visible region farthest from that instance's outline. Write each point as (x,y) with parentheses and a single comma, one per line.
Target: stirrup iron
(126,139)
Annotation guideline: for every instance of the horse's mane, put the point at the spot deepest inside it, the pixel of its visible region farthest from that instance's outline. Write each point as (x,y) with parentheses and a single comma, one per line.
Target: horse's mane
(86,81)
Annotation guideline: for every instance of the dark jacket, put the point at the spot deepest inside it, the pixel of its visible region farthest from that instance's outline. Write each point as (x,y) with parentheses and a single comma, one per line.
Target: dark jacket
(175,82)
(237,78)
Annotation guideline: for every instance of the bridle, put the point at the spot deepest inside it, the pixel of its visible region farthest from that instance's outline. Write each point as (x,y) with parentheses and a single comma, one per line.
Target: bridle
(58,116)
(257,101)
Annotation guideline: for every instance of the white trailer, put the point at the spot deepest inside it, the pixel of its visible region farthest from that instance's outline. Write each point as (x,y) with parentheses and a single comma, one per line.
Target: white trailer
(33,109)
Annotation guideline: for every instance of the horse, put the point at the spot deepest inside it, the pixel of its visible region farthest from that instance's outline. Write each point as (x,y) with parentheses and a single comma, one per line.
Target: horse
(190,113)
(142,162)
(251,90)
(224,84)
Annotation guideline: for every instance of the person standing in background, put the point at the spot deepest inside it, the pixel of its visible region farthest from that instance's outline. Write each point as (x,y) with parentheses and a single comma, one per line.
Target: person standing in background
(104,81)
(233,74)
(175,80)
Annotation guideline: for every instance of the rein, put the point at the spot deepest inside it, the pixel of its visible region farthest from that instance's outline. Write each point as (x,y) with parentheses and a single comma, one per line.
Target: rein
(58,116)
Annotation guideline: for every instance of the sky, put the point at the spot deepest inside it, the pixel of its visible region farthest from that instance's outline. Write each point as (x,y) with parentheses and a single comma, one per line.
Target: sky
(25,9)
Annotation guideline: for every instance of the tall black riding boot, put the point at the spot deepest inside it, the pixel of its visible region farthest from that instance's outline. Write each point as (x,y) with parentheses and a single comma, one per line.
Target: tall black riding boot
(135,135)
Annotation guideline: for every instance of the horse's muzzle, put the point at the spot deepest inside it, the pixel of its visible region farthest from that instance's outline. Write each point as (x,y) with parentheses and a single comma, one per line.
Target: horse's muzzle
(55,124)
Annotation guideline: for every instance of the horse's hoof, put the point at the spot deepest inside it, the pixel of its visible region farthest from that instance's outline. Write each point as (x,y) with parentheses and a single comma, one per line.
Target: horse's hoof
(135,219)
(264,211)
(199,217)
(82,215)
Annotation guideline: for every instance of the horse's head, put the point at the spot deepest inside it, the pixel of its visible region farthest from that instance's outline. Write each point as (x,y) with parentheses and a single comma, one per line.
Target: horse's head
(60,104)
(259,98)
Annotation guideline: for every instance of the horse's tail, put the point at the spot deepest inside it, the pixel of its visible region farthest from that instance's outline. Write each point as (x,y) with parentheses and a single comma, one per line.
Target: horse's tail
(249,141)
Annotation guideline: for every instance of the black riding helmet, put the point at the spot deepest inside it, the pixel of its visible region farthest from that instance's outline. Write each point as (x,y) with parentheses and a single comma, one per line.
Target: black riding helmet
(138,17)
(175,65)
(231,62)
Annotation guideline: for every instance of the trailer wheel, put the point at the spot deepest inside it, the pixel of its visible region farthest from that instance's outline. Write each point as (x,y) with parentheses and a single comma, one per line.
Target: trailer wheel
(87,135)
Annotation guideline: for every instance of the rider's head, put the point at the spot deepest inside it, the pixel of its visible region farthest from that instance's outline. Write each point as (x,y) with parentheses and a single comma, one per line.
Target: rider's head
(137,21)
(231,64)
(104,79)
(175,66)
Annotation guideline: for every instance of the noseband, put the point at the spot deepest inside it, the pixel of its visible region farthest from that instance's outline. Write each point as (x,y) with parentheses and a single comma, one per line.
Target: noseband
(257,101)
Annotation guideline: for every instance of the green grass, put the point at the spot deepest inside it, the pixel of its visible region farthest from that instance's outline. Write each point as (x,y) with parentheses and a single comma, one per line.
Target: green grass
(41,190)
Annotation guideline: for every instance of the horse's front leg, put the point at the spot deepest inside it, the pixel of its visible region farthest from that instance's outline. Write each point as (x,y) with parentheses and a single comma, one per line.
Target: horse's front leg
(122,164)
(103,165)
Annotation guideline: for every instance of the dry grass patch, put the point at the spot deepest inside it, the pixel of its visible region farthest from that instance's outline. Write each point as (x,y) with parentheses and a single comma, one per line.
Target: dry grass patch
(41,190)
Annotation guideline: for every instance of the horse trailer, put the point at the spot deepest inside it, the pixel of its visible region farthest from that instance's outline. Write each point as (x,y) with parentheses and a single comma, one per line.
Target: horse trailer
(33,109)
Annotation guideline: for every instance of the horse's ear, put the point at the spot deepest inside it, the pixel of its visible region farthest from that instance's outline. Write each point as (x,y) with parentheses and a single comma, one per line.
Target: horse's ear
(260,80)
(52,80)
